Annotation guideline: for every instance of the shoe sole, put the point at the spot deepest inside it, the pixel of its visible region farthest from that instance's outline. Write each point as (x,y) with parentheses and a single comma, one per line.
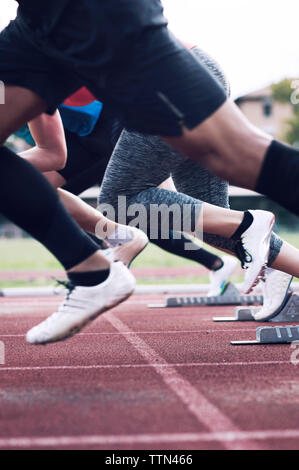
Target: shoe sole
(79,328)
(261,274)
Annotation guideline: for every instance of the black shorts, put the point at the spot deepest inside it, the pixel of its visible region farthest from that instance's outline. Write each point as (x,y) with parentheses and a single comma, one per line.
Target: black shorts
(123,52)
(89,156)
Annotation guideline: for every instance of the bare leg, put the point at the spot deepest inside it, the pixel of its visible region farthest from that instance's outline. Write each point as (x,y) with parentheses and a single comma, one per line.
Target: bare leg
(287,260)
(96,262)
(87,217)
(227,144)
(219,221)
(55,179)
(215,220)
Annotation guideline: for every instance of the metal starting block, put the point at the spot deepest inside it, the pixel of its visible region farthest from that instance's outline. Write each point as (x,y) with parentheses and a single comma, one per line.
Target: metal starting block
(241,314)
(272,335)
(231,296)
(289,313)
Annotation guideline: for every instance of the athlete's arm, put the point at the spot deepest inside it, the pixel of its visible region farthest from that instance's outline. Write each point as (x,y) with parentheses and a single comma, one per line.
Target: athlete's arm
(50,152)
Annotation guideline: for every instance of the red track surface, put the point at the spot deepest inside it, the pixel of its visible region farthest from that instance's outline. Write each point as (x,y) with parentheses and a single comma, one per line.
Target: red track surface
(145,379)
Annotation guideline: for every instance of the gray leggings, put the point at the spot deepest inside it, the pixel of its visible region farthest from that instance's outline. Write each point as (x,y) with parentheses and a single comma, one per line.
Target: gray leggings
(140,163)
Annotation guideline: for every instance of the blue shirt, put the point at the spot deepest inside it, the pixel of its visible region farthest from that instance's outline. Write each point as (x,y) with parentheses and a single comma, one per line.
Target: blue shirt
(78,120)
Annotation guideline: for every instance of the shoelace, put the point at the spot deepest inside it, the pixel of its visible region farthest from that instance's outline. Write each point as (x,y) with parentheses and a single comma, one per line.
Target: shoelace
(244,256)
(68,285)
(66,303)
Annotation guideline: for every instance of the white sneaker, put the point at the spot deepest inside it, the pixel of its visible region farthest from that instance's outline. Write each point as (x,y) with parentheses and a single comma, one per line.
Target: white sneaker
(254,248)
(275,292)
(220,278)
(84,304)
(126,251)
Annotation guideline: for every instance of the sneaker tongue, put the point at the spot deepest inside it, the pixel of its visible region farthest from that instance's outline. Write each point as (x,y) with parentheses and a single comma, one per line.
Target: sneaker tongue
(246,223)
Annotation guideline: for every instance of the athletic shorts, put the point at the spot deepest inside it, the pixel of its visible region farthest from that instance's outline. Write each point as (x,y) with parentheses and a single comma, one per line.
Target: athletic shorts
(123,52)
(89,156)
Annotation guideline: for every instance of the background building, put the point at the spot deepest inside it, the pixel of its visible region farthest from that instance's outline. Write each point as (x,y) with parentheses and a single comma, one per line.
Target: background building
(266,113)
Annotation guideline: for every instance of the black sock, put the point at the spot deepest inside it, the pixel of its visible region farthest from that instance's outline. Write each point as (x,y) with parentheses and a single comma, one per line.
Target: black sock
(279,177)
(245,224)
(28,200)
(177,247)
(89,279)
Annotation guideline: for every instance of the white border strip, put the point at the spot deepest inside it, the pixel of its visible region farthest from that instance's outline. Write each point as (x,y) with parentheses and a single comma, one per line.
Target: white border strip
(141,366)
(147,439)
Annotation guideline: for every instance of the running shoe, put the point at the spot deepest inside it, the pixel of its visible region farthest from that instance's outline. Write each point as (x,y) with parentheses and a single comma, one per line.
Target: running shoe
(84,304)
(276,290)
(219,278)
(253,248)
(126,251)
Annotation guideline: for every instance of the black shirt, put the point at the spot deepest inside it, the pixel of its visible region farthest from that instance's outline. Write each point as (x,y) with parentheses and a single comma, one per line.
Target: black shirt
(132,14)
(40,11)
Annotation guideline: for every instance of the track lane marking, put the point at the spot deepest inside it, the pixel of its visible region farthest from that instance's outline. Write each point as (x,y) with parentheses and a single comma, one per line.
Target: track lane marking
(103,440)
(162,332)
(198,405)
(148,365)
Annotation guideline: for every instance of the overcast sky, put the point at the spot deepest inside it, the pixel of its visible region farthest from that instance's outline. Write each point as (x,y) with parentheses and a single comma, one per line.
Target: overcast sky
(256,41)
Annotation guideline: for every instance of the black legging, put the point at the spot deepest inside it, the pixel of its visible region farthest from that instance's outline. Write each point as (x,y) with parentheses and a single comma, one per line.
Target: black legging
(28,200)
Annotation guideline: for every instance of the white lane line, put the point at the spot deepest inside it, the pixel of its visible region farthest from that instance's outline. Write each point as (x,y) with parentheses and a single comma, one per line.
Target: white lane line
(42,303)
(198,405)
(162,332)
(147,365)
(110,440)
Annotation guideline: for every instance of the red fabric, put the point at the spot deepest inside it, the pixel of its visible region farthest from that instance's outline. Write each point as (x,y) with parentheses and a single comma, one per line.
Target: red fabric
(82,97)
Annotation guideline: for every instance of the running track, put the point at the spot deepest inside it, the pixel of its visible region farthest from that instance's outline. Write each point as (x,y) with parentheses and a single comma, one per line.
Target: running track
(145,379)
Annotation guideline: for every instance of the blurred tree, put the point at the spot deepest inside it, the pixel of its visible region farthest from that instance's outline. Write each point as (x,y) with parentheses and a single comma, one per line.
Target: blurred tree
(282,92)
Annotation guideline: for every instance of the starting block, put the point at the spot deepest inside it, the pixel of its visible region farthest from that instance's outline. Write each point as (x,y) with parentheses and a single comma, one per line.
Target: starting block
(289,313)
(231,296)
(272,335)
(241,314)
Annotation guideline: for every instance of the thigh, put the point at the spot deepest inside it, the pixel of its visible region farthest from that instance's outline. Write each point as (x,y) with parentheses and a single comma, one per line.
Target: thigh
(191,178)
(165,89)
(139,162)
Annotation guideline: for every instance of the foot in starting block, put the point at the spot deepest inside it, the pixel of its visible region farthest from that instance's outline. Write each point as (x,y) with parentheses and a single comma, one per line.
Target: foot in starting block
(272,335)
(289,313)
(230,296)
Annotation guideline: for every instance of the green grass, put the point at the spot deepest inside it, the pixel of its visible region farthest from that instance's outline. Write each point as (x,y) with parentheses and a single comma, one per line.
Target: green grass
(29,255)
(25,254)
